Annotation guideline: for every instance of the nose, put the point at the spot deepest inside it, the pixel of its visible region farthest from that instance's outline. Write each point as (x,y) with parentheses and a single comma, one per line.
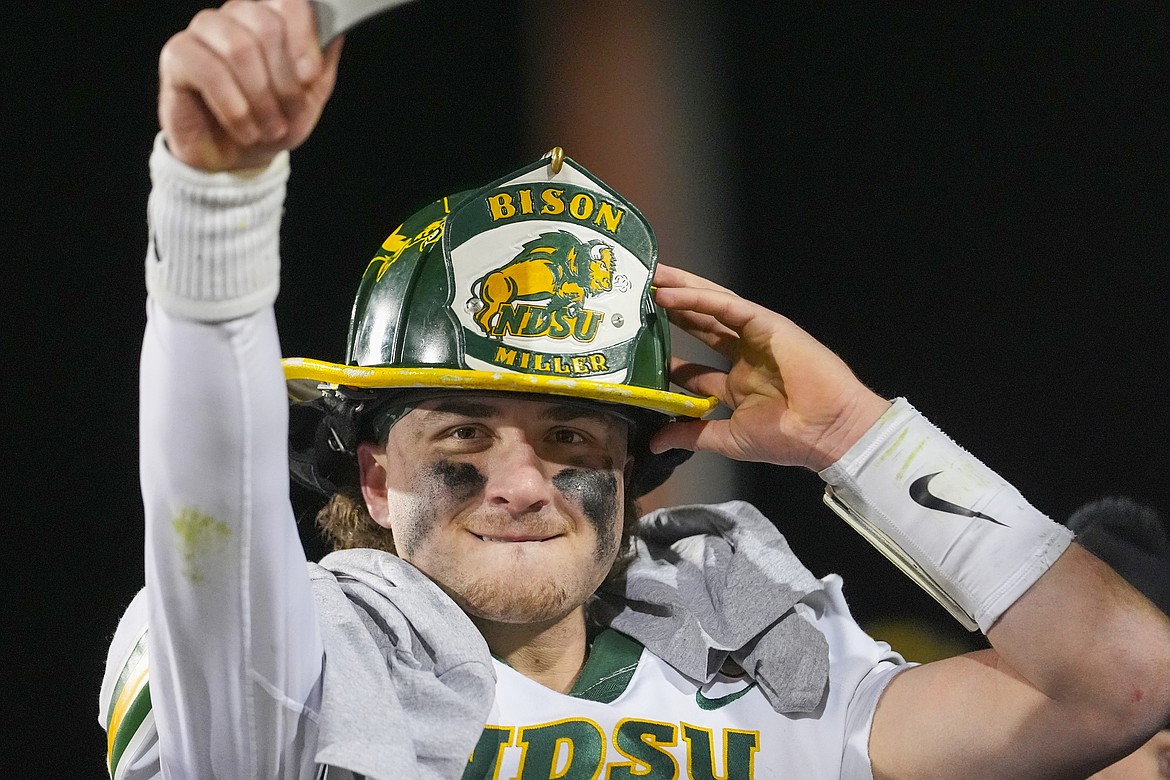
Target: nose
(516,478)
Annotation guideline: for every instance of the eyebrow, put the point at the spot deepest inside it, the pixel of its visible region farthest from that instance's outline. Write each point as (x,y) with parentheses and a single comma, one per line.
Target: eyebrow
(465,408)
(556,412)
(566,412)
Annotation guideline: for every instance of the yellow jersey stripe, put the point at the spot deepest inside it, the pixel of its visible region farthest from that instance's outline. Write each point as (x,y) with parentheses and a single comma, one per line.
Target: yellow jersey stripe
(130,707)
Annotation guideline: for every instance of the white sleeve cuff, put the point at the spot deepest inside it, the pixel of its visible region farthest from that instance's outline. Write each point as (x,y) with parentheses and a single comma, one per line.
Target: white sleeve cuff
(950,523)
(214,251)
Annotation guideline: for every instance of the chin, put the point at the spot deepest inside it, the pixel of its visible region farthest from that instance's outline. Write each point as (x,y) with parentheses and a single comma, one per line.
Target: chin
(532,583)
(504,602)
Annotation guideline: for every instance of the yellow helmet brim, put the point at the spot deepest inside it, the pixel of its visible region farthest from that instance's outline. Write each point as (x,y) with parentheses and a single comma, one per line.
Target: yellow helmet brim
(300,370)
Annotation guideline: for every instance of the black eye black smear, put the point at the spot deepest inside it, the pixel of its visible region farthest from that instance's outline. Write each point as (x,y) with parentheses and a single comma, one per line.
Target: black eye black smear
(596,492)
(463,479)
(460,480)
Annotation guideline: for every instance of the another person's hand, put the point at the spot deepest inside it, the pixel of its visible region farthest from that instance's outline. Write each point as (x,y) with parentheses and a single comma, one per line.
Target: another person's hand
(793,401)
(244,82)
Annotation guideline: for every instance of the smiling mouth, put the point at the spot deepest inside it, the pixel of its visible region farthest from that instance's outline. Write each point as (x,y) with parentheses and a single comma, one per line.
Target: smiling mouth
(514,539)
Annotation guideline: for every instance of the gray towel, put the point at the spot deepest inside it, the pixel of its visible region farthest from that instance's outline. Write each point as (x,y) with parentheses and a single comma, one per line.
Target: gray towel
(716,582)
(408,681)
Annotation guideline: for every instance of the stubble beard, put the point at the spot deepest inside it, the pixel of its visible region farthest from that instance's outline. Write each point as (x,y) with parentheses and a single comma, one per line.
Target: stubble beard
(522,595)
(495,600)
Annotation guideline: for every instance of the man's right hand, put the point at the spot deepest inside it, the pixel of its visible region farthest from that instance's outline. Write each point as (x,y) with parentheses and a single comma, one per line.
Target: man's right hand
(793,402)
(243,83)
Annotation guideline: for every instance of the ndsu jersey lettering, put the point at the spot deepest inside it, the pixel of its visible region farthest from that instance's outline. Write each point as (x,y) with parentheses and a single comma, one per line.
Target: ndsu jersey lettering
(631,715)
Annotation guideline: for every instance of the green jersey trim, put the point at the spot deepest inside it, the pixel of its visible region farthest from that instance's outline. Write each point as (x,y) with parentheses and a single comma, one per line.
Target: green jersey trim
(129,704)
(135,715)
(611,664)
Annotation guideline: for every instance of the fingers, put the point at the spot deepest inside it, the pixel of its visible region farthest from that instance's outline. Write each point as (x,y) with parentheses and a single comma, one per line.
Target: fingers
(669,276)
(250,41)
(723,320)
(725,307)
(699,302)
(702,325)
(677,436)
(706,329)
(699,379)
(251,66)
(193,76)
(303,49)
(697,436)
(274,84)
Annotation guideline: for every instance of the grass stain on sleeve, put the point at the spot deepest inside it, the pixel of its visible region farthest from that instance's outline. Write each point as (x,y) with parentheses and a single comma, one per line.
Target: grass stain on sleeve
(198,535)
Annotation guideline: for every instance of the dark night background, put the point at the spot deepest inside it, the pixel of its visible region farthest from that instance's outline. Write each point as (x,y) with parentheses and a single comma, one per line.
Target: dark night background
(970,206)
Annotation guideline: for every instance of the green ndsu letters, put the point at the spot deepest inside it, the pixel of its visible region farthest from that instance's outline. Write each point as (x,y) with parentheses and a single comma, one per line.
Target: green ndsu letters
(575,749)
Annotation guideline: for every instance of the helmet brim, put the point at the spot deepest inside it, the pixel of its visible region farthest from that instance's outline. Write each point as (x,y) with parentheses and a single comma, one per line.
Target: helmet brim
(298,371)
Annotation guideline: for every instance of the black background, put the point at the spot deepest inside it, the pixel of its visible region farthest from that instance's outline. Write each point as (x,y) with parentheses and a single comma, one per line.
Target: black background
(968,205)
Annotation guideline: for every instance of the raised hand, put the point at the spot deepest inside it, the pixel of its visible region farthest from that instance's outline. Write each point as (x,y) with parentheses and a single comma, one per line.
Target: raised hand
(243,83)
(793,401)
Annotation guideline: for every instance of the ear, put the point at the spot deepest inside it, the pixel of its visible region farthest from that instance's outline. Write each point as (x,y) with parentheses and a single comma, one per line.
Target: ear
(628,473)
(372,465)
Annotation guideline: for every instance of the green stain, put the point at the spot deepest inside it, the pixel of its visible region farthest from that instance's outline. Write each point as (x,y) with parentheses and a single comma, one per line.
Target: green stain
(910,459)
(198,534)
(893,446)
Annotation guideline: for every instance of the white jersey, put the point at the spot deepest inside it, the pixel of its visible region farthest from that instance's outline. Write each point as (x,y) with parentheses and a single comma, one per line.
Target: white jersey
(632,715)
(629,714)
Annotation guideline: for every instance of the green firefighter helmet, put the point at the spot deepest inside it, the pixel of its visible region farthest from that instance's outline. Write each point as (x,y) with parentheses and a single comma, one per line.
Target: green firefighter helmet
(538,283)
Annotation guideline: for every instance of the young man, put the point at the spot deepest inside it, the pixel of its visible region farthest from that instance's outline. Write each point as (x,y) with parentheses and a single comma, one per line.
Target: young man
(504,399)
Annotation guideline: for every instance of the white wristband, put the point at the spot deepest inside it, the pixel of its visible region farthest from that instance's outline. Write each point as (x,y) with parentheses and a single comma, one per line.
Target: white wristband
(214,250)
(952,524)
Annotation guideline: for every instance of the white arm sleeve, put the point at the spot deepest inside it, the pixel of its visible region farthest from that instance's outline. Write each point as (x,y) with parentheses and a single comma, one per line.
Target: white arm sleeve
(234,646)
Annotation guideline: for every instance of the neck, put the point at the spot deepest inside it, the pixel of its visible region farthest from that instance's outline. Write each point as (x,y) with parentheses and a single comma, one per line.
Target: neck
(551,652)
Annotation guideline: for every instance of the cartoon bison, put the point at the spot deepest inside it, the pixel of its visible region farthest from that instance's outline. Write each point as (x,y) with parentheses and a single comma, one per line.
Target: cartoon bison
(556,265)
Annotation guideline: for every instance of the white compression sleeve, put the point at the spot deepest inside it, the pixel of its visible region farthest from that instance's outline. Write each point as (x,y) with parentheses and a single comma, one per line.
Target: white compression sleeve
(235,651)
(952,524)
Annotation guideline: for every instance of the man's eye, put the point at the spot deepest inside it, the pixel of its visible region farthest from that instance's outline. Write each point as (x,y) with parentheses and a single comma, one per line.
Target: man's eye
(465,432)
(567,436)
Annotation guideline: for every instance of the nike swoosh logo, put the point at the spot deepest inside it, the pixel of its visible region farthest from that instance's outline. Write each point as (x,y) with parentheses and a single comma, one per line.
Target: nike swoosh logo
(721,701)
(920,492)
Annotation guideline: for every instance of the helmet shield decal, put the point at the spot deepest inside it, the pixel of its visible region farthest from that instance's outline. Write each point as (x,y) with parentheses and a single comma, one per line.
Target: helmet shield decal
(551,276)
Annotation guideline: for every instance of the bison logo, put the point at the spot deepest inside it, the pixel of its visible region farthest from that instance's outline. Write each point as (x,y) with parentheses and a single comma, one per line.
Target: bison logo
(556,266)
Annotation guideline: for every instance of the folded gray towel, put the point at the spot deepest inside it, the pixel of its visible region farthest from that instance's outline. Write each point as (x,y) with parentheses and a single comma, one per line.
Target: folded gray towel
(712,582)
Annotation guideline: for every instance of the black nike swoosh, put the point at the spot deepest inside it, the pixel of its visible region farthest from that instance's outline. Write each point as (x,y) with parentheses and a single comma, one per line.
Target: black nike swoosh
(920,492)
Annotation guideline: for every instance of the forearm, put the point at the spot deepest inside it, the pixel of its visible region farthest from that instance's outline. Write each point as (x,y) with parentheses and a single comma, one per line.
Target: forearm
(235,650)
(1076,680)
(1091,643)
(1077,669)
